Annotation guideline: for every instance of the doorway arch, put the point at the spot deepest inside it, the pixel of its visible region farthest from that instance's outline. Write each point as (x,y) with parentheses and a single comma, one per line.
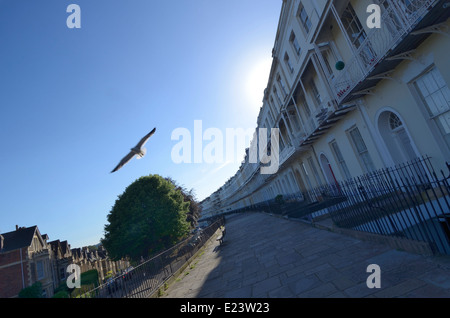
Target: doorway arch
(327,170)
(396,137)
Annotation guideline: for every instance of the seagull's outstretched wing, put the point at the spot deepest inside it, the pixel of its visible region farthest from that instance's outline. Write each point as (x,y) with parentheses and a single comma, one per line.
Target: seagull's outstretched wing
(142,142)
(131,154)
(124,161)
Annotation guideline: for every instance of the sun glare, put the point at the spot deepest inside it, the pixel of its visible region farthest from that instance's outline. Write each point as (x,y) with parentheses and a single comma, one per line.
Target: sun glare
(257,79)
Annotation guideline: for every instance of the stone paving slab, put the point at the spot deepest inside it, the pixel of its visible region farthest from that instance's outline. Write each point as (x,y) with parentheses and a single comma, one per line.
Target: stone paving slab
(267,256)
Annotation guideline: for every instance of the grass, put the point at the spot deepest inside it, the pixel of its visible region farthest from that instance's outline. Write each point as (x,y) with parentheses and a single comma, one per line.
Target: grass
(193,265)
(89,277)
(89,281)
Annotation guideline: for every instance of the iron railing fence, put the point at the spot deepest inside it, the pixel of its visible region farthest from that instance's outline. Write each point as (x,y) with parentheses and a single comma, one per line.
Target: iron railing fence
(143,280)
(409,200)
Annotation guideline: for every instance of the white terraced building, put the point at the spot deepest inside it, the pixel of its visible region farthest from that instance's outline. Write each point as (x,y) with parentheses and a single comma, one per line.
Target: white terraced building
(347,98)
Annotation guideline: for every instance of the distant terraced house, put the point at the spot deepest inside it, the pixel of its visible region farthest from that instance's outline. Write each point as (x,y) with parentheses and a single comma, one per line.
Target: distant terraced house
(26,257)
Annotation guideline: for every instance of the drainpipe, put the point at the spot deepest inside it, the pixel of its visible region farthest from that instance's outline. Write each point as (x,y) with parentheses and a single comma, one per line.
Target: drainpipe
(21,266)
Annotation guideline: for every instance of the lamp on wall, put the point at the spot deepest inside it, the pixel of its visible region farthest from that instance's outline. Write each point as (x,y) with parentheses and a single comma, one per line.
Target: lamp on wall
(340,65)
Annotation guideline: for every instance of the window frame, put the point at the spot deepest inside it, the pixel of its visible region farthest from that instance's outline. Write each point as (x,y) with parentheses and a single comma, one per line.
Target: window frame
(288,63)
(282,85)
(305,21)
(40,269)
(353,21)
(366,166)
(340,160)
(295,45)
(431,116)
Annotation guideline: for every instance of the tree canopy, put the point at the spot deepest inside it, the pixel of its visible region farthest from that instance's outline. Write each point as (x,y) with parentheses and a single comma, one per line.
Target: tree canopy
(150,215)
(33,291)
(194,207)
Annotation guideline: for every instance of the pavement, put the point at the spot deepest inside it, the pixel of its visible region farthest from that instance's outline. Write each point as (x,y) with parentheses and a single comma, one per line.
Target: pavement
(265,256)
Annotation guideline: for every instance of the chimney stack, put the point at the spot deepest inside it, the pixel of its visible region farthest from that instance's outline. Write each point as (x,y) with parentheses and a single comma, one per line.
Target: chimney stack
(1,241)
(17,227)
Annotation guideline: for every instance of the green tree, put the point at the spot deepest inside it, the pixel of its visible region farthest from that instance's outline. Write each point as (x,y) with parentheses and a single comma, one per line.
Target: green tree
(148,217)
(194,207)
(33,291)
(61,294)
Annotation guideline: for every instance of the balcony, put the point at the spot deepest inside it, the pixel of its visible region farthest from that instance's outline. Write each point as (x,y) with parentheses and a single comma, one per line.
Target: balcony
(317,118)
(285,154)
(325,119)
(385,47)
(299,137)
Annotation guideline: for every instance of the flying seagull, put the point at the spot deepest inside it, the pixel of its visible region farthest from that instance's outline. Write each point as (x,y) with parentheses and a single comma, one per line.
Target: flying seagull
(137,151)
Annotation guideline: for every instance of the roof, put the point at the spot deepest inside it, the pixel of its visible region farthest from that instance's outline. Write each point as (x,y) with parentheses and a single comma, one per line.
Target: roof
(76,252)
(55,246)
(65,247)
(18,239)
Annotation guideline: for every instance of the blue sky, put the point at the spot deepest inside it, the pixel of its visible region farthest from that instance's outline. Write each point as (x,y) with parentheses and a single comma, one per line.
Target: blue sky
(74,101)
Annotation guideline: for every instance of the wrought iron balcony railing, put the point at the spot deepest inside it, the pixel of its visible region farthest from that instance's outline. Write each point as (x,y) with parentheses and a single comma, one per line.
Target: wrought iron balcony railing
(398,19)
